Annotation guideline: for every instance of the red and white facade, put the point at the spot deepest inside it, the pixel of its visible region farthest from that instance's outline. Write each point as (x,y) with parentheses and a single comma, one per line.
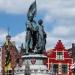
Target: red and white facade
(60,59)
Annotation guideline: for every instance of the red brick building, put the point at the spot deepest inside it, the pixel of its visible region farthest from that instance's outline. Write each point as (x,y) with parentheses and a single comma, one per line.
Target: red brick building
(60,59)
(9,57)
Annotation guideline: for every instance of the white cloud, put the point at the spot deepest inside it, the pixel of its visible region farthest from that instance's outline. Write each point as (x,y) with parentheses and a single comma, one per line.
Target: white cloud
(61,31)
(3,34)
(19,39)
(48,18)
(52,39)
(64,31)
(58,7)
(14,6)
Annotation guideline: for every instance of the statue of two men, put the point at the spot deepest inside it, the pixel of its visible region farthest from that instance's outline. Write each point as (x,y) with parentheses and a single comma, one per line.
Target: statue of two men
(35,36)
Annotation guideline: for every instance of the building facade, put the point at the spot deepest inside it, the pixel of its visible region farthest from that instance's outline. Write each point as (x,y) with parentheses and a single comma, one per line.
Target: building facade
(9,56)
(0,60)
(72,54)
(60,59)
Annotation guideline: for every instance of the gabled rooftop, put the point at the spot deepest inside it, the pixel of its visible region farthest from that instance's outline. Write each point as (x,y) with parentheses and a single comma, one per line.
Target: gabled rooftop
(59,45)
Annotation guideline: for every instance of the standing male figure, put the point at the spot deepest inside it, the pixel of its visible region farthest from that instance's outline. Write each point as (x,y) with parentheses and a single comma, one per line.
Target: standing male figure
(31,40)
(41,37)
(31,28)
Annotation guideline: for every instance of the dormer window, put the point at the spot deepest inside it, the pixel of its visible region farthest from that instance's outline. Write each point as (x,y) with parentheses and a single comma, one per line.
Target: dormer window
(59,56)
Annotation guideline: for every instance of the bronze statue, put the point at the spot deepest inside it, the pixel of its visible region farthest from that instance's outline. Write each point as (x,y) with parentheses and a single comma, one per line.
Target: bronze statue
(35,34)
(31,34)
(41,37)
(31,27)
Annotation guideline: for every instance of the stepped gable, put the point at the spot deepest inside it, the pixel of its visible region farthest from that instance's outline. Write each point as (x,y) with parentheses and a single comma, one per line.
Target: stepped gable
(59,45)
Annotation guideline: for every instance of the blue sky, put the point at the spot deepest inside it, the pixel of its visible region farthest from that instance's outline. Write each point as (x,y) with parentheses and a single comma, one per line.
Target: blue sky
(16,23)
(58,17)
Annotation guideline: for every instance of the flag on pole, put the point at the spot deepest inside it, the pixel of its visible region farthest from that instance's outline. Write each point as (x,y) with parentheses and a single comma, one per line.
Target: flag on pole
(32,10)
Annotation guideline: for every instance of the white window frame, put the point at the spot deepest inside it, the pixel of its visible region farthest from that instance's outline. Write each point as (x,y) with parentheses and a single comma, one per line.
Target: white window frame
(57,55)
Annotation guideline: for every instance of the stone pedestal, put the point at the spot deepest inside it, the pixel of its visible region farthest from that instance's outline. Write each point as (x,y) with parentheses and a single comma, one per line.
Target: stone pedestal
(35,64)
